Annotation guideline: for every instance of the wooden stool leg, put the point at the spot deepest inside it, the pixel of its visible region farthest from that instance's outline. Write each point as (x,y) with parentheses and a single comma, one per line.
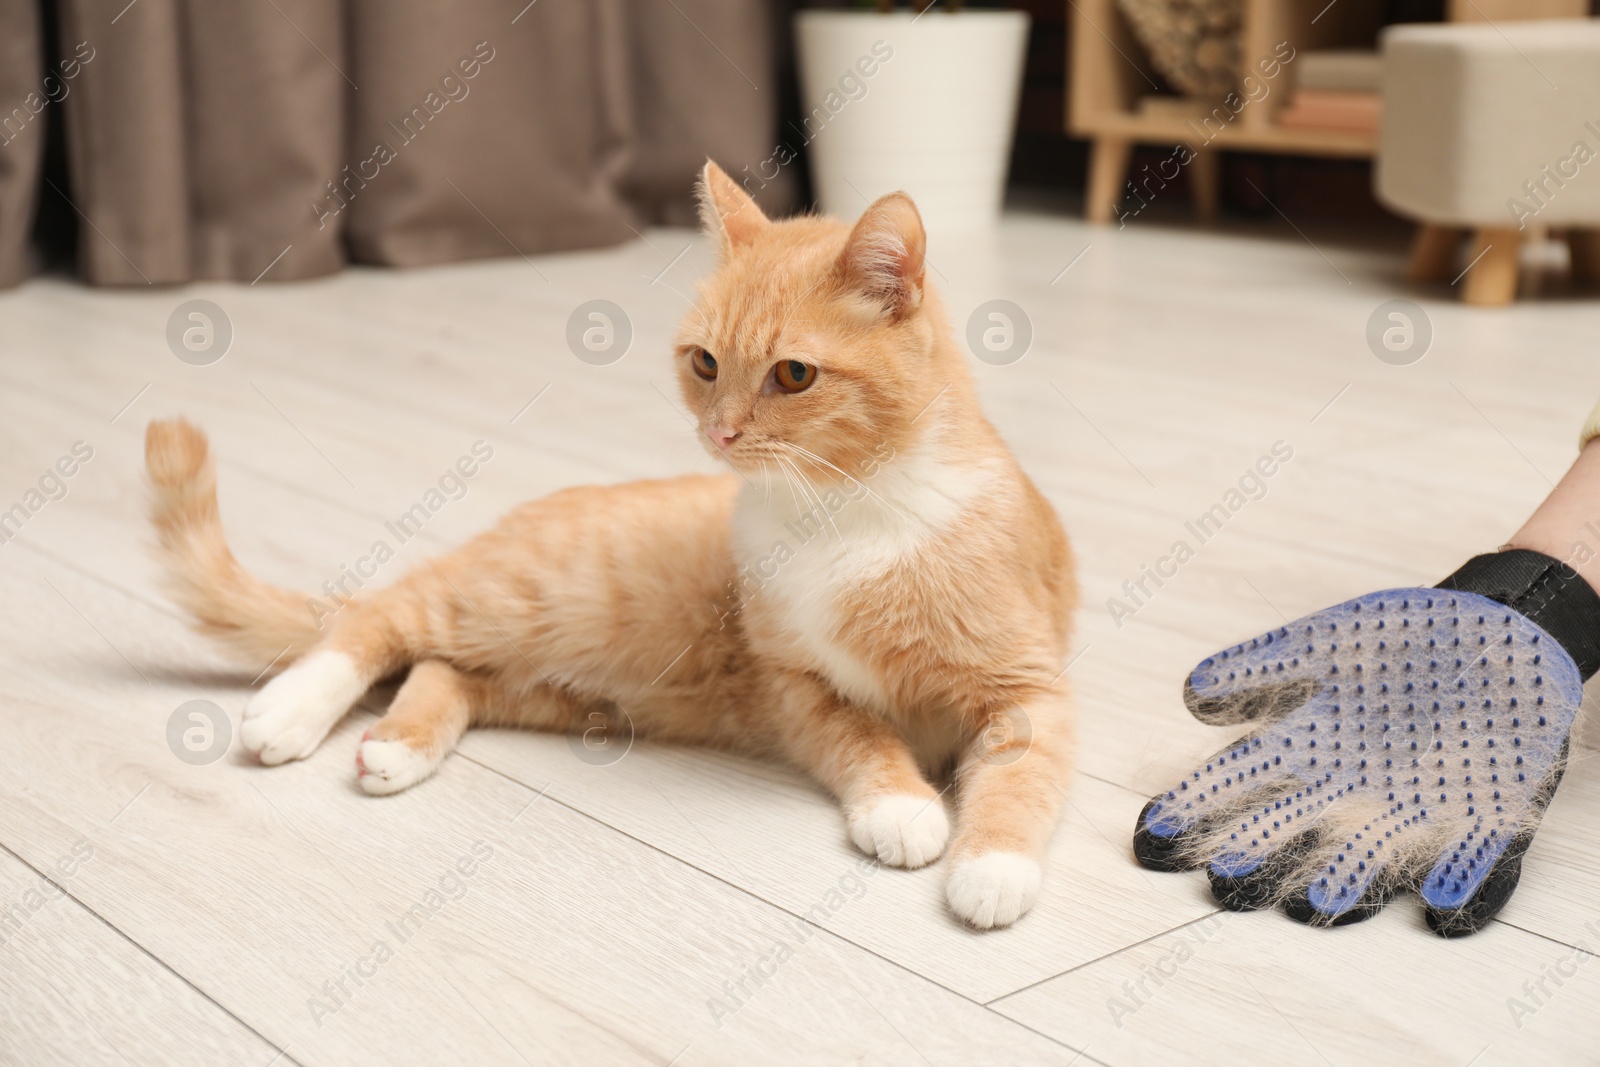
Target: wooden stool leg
(1108,169)
(1584,247)
(1433,253)
(1491,280)
(1205,172)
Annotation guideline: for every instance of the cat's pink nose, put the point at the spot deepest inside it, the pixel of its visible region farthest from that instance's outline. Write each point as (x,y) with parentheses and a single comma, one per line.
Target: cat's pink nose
(723,435)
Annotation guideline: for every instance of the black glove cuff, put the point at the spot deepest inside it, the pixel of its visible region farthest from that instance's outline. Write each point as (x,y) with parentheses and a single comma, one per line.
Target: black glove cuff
(1544,589)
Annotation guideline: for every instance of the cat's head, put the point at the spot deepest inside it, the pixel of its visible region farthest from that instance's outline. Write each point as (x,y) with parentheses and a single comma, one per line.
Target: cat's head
(811,336)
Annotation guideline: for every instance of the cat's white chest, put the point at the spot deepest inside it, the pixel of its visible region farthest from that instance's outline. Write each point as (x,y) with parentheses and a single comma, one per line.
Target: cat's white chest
(804,557)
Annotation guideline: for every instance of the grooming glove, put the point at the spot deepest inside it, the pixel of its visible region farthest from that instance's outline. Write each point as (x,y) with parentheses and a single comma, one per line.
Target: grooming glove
(1407,739)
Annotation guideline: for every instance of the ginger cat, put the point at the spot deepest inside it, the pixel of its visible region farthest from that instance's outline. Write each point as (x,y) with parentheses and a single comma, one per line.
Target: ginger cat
(877,594)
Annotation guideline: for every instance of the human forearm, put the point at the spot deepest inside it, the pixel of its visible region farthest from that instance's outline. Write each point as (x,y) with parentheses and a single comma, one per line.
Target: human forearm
(1567,525)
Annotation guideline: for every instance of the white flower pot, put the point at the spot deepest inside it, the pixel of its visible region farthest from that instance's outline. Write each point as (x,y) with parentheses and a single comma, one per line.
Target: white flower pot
(926,104)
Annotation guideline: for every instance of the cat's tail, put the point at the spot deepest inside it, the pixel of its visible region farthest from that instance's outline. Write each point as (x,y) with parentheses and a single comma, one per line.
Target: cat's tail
(264,624)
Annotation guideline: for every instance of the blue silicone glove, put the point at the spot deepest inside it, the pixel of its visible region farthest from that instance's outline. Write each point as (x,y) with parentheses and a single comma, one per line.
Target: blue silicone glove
(1410,738)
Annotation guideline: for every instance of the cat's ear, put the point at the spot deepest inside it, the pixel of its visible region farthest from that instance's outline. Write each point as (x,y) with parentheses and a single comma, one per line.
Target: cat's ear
(883,259)
(727,213)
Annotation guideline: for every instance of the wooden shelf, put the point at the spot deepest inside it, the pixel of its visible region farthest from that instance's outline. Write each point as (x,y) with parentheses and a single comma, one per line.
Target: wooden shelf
(1110,73)
(1163,129)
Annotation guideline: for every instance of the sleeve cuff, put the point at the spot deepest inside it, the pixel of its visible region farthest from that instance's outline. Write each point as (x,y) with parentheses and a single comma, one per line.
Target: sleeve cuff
(1543,590)
(1591,428)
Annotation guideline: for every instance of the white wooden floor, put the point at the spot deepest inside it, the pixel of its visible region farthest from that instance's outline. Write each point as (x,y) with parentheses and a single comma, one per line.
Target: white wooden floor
(221,907)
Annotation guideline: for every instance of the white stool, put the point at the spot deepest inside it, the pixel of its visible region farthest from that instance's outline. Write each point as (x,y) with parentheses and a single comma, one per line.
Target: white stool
(1492,129)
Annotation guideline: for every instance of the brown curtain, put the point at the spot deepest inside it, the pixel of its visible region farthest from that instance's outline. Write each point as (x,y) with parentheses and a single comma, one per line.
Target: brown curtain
(23,103)
(280,139)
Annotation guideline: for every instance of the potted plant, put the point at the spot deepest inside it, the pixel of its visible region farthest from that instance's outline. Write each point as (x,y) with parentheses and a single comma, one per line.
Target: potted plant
(922,99)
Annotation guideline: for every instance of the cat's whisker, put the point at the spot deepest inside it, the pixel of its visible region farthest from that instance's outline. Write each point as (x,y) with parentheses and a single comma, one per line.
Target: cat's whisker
(788,478)
(848,477)
(816,495)
(768,459)
(807,496)
(783,466)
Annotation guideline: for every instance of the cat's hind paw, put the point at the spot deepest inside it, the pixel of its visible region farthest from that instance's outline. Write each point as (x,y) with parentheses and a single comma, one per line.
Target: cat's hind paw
(904,830)
(385,767)
(994,889)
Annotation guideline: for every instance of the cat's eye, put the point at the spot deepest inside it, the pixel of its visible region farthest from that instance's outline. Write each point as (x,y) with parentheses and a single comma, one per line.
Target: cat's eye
(704,364)
(793,376)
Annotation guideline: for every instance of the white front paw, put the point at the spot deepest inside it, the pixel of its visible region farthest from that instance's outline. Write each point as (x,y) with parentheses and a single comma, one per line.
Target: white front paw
(291,715)
(994,889)
(904,830)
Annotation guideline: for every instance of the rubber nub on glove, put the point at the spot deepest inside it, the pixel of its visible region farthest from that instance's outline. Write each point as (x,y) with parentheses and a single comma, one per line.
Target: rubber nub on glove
(1546,591)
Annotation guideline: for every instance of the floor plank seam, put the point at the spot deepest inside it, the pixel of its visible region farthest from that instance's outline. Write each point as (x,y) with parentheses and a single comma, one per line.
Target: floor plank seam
(1081,1055)
(1105,956)
(1113,784)
(1542,937)
(283,1054)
